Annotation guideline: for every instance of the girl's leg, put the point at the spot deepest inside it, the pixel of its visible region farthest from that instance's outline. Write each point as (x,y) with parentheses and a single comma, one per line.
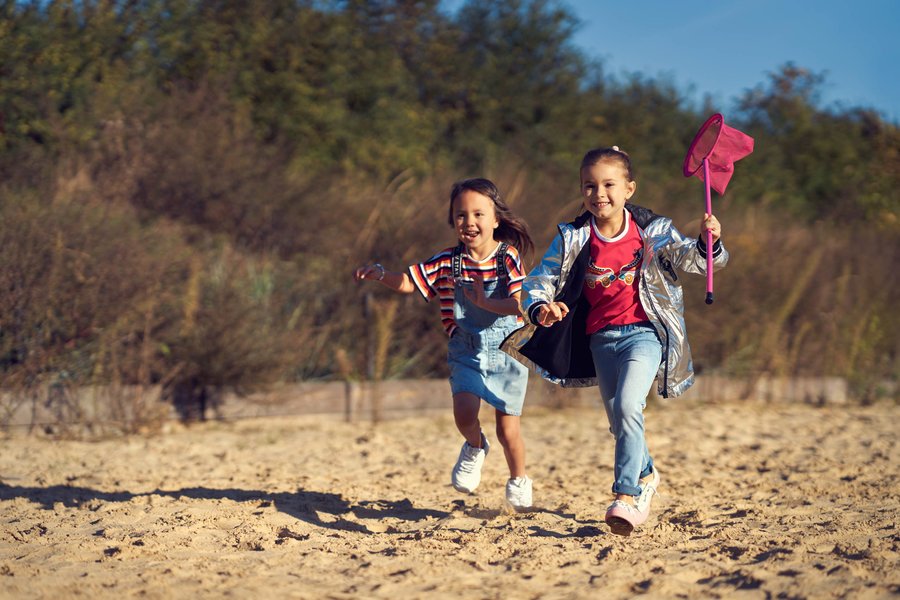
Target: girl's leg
(510,435)
(627,360)
(465,412)
(637,370)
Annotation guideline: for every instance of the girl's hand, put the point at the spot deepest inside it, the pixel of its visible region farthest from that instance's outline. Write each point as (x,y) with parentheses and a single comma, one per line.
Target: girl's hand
(551,313)
(375,272)
(475,293)
(711,223)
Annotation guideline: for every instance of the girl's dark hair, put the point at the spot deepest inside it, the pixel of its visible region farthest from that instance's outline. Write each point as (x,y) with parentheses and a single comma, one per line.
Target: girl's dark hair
(611,154)
(512,229)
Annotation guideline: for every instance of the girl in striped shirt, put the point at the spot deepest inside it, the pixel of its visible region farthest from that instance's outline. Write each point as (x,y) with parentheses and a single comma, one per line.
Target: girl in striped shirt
(478,283)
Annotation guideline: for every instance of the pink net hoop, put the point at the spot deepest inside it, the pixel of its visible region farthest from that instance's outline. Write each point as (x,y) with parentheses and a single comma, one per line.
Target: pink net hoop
(722,146)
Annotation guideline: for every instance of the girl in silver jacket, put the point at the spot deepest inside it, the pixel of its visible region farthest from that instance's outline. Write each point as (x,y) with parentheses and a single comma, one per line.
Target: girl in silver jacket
(604,306)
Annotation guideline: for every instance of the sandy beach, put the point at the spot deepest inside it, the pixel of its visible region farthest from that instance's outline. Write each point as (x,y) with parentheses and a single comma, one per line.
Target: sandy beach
(757,501)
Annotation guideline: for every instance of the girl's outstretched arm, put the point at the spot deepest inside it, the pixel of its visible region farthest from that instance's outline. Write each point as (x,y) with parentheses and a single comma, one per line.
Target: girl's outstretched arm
(399,282)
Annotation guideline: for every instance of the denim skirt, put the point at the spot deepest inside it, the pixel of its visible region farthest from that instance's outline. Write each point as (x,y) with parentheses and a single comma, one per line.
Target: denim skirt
(478,366)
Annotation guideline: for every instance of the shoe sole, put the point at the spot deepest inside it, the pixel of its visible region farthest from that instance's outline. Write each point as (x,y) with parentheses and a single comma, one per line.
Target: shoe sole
(463,490)
(519,509)
(619,526)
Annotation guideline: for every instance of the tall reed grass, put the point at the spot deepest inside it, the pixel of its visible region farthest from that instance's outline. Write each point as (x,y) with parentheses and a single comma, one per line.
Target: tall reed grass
(213,264)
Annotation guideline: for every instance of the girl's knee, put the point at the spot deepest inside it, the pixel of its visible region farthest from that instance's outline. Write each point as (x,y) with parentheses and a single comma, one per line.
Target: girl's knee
(508,430)
(631,412)
(628,422)
(465,420)
(465,408)
(629,407)
(502,436)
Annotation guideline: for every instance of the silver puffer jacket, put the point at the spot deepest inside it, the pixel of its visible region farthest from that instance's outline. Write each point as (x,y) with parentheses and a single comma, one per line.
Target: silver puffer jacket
(665,249)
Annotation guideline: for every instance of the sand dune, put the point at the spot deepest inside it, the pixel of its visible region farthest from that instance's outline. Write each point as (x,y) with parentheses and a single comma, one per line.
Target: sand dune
(758,501)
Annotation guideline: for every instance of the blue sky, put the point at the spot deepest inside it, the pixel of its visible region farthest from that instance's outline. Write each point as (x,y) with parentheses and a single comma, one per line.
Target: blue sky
(722,48)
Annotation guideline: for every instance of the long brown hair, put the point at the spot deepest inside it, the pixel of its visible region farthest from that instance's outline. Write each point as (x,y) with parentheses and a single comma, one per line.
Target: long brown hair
(512,229)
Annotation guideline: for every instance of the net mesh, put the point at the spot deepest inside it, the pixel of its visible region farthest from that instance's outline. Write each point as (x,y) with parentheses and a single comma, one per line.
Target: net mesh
(722,146)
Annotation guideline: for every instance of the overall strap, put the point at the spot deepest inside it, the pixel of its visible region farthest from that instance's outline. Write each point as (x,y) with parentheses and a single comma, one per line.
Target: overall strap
(500,257)
(502,271)
(456,262)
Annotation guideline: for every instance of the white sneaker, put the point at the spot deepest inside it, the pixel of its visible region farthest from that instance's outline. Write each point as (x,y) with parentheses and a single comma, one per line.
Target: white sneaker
(518,492)
(648,489)
(467,471)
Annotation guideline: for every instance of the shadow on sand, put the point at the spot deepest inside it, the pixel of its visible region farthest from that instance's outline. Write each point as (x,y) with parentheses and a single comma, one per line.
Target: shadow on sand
(305,505)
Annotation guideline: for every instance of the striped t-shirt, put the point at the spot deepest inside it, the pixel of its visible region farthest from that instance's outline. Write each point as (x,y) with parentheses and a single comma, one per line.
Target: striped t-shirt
(434,277)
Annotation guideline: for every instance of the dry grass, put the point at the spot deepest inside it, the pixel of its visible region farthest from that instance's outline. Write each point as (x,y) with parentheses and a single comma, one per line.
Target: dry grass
(196,258)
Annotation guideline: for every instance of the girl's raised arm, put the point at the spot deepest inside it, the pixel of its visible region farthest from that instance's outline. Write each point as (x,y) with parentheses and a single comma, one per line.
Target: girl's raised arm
(399,282)
(689,254)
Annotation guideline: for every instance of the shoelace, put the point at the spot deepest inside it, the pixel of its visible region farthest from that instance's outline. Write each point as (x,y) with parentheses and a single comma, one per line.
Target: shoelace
(516,490)
(468,462)
(625,505)
(647,492)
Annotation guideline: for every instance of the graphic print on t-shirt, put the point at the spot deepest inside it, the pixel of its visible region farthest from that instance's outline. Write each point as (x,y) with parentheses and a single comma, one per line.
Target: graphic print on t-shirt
(611,279)
(605,276)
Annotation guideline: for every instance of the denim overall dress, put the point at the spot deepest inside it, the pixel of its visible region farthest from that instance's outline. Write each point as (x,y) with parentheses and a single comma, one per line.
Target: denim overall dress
(477,365)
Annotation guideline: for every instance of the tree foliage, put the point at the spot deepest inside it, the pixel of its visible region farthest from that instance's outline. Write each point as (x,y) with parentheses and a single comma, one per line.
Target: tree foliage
(187,184)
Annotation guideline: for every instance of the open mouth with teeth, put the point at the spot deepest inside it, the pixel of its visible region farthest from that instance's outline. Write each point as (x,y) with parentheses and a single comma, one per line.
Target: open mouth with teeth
(470,235)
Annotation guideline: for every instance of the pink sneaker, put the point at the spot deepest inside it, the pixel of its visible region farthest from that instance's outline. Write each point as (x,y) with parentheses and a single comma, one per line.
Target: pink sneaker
(622,517)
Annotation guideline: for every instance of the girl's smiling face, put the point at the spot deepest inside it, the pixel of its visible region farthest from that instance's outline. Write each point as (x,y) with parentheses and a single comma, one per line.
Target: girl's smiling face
(475,220)
(605,188)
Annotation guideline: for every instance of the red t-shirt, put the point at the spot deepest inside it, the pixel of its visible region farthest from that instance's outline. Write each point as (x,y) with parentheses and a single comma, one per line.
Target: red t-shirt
(611,280)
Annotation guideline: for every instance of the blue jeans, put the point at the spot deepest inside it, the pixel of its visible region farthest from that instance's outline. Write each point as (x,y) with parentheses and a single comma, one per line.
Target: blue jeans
(627,358)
